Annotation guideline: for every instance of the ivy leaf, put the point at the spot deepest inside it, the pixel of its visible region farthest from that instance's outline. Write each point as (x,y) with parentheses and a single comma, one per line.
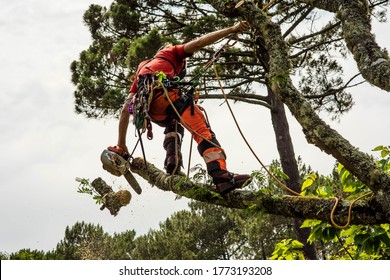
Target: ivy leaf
(324,191)
(361,238)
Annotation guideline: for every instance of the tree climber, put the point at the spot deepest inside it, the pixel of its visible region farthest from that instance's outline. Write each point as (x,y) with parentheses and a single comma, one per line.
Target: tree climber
(166,64)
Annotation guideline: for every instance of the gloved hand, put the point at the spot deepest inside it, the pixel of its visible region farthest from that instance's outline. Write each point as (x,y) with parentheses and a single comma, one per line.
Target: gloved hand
(120,151)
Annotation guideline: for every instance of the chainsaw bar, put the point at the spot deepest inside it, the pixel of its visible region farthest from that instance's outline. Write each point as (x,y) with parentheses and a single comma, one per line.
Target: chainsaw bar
(132,182)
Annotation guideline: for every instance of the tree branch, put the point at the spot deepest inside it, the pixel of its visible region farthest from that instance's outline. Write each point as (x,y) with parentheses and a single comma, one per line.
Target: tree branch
(373,63)
(363,212)
(246,98)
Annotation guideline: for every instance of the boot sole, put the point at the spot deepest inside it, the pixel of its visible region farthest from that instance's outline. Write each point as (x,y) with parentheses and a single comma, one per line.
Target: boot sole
(231,187)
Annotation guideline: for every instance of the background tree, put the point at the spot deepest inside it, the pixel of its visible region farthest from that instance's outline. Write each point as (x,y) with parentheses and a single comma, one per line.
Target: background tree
(28,254)
(209,232)
(83,241)
(4,256)
(90,242)
(121,245)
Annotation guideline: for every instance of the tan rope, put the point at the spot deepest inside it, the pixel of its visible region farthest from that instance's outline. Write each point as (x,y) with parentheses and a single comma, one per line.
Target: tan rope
(268,5)
(349,210)
(244,138)
(176,151)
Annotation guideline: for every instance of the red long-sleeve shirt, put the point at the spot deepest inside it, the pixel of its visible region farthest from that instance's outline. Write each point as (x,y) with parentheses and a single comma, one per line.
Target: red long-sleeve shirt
(169,60)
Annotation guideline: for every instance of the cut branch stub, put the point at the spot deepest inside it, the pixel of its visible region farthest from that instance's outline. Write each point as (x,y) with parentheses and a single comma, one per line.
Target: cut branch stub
(111,200)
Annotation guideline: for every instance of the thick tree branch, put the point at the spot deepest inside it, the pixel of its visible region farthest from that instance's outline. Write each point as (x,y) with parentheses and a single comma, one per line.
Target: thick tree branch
(363,212)
(373,63)
(327,5)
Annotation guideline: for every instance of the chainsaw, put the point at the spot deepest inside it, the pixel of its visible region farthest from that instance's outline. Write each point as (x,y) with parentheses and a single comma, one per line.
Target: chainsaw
(116,161)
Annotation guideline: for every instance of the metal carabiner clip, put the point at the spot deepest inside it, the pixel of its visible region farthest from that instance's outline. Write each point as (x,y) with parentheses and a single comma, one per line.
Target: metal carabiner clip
(232,37)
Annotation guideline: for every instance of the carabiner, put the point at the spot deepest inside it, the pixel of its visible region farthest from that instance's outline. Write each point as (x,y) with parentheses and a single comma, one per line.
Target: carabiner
(233,37)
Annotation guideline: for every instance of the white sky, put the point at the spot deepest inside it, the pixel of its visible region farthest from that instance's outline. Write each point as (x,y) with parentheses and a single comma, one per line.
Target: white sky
(45,145)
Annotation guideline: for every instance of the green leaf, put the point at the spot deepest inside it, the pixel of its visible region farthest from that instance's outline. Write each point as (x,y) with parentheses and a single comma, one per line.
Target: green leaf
(296,244)
(385,227)
(330,233)
(339,167)
(310,223)
(324,191)
(378,148)
(288,249)
(315,233)
(385,153)
(349,188)
(309,181)
(345,175)
(361,238)
(385,239)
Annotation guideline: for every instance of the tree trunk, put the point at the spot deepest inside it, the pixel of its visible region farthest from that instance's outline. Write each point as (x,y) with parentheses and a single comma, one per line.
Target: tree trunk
(290,166)
(286,150)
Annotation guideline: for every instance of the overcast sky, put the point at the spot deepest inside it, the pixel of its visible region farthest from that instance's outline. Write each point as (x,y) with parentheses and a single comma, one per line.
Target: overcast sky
(45,145)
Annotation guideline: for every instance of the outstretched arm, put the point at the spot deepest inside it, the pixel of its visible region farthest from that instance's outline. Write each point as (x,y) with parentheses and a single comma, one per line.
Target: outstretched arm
(213,37)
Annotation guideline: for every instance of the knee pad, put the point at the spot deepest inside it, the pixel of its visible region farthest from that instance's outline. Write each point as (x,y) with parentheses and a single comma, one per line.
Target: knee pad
(204,145)
(171,135)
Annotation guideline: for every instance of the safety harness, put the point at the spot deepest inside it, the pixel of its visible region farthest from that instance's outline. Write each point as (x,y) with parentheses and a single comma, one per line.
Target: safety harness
(151,86)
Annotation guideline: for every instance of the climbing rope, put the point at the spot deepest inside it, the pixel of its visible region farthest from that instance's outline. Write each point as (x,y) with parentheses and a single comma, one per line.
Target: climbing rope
(244,138)
(160,85)
(349,210)
(268,5)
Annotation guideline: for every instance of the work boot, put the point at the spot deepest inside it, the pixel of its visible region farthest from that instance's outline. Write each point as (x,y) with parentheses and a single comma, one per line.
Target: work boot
(172,145)
(227,182)
(170,164)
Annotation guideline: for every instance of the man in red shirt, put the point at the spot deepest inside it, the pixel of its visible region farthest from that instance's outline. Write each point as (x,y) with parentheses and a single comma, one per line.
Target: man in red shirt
(170,60)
